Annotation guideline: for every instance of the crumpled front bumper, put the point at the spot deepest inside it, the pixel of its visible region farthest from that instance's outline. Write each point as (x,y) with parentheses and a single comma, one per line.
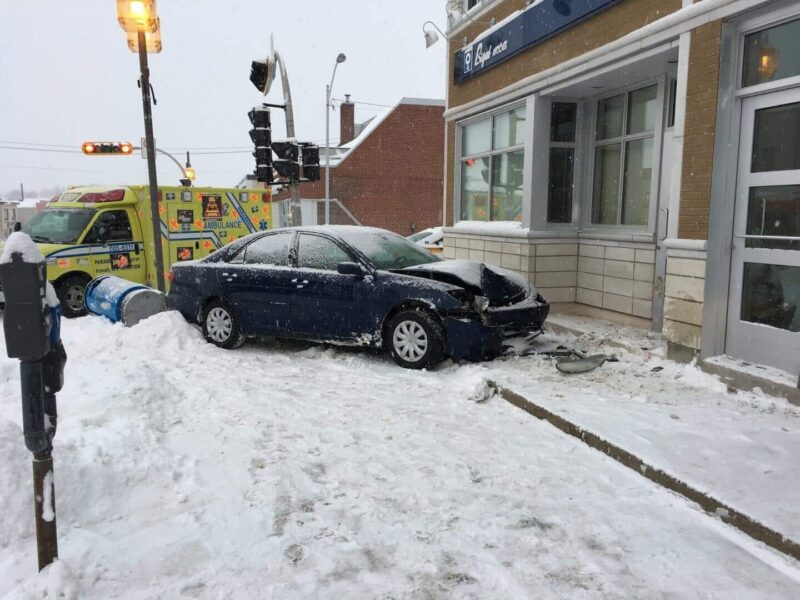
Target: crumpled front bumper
(481,337)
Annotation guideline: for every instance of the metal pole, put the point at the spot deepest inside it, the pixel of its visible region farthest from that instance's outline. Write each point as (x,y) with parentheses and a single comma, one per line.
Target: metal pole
(44,497)
(21,193)
(328,153)
(151,162)
(287,100)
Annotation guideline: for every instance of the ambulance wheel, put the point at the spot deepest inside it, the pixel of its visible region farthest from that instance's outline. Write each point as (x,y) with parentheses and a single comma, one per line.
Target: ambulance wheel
(221,325)
(71,292)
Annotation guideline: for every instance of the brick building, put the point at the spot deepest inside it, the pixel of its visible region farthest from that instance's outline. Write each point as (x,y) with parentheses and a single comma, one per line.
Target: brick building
(386,172)
(639,160)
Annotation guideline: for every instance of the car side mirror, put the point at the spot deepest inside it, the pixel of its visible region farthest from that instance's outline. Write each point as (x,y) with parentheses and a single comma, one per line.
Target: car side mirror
(349,268)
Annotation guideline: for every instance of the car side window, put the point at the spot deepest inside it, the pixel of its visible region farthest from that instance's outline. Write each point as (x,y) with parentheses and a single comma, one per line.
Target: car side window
(111,226)
(268,250)
(317,252)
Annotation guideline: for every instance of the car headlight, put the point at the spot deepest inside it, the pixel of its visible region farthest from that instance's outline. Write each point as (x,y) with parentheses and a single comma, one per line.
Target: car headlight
(481,303)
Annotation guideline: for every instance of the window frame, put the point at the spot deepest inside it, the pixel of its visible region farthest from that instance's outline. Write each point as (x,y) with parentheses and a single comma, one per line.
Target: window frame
(593,144)
(461,157)
(579,145)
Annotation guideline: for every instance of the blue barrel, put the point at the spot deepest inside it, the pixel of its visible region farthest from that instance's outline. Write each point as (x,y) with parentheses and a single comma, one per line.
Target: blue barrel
(118,299)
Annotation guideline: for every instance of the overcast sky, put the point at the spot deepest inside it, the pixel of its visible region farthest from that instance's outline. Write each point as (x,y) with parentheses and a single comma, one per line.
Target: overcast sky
(67,76)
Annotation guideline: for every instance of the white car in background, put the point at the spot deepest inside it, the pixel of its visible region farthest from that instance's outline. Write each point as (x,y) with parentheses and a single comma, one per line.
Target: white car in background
(432,239)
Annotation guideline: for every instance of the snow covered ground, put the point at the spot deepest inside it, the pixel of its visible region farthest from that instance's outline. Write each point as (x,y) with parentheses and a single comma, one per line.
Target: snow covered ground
(288,471)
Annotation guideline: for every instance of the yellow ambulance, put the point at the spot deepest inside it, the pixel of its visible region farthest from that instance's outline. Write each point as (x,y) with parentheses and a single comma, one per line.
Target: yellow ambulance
(91,231)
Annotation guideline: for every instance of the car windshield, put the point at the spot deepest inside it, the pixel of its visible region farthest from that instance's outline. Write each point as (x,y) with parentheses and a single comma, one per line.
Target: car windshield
(58,226)
(389,251)
(419,236)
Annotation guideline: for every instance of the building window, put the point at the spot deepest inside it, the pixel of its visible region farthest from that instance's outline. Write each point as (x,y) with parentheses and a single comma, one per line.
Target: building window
(623,158)
(563,127)
(492,152)
(470,4)
(772,54)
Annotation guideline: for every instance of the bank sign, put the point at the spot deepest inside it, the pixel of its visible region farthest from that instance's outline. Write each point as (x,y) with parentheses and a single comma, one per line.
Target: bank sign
(529,27)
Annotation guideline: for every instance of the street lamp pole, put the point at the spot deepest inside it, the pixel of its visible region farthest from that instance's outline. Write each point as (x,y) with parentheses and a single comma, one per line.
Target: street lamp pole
(339,59)
(151,160)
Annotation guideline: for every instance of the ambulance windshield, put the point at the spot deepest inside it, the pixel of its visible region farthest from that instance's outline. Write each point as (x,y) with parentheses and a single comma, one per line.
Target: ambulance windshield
(62,226)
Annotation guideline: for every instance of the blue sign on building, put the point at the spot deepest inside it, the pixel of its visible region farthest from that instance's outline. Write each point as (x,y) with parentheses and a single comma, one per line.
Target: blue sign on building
(530,27)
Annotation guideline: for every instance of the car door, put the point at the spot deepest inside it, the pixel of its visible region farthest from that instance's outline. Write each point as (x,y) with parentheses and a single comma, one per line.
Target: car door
(257,284)
(330,305)
(114,248)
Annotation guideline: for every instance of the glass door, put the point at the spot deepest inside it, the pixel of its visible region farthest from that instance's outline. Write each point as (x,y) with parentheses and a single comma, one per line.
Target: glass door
(764,299)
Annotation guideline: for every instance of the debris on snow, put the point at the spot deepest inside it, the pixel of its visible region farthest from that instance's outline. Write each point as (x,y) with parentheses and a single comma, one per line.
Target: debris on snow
(483,391)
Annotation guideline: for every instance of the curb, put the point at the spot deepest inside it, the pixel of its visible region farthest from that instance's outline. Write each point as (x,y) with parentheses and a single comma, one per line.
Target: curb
(747,525)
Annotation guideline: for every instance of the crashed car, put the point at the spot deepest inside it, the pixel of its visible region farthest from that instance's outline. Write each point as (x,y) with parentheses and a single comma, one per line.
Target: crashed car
(355,286)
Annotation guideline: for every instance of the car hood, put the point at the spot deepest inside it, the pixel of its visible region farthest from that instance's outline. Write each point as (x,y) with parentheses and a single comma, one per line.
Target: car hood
(494,283)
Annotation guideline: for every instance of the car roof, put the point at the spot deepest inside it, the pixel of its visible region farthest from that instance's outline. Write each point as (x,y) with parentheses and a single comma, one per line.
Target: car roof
(334,229)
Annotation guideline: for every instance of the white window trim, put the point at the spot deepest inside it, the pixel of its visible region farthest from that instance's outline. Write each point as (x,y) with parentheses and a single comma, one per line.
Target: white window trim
(586,225)
(460,157)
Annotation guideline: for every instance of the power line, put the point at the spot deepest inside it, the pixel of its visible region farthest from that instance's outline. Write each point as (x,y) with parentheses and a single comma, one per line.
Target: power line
(364,103)
(2,147)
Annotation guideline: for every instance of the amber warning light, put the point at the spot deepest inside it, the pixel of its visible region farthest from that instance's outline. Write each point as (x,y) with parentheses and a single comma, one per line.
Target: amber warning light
(106,148)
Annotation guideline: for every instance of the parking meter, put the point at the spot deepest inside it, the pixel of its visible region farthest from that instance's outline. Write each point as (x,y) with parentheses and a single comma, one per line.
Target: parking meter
(26,323)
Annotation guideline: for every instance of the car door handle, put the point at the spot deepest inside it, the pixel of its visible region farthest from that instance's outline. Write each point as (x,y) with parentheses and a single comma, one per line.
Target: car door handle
(299,282)
(230,276)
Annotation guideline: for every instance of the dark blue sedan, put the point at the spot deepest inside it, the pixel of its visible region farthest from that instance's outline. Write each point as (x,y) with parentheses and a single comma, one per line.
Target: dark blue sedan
(357,286)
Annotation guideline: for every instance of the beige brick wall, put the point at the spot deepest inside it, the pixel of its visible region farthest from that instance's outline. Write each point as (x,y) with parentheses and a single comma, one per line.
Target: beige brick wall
(684,294)
(613,276)
(617,276)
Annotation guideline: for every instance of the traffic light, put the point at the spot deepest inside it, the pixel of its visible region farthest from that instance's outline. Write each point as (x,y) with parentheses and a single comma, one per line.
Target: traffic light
(288,163)
(262,73)
(261,134)
(106,148)
(310,162)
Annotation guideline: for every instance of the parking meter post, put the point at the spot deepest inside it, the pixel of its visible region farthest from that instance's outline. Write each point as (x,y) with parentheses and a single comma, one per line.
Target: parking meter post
(28,324)
(44,498)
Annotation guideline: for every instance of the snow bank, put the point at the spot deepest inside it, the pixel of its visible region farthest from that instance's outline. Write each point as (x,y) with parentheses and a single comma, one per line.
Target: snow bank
(20,242)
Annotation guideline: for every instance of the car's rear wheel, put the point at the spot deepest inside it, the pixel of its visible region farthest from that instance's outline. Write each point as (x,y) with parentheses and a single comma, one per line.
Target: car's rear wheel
(71,292)
(415,339)
(221,326)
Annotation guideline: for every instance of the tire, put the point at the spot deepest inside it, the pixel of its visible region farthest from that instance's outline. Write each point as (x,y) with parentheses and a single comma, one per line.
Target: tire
(415,339)
(221,326)
(71,292)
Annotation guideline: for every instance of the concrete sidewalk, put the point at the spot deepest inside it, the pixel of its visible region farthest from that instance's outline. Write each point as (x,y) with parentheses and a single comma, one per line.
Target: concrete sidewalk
(739,447)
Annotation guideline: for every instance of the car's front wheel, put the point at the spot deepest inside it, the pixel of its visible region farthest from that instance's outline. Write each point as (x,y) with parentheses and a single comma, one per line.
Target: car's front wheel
(415,339)
(221,326)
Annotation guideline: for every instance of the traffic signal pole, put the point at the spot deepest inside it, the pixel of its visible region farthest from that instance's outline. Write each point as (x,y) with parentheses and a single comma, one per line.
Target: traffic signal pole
(151,161)
(287,100)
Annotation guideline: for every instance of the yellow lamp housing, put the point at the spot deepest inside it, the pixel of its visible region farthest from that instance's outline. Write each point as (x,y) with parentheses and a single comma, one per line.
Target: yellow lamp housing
(191,174)
(152,40)
(137,15)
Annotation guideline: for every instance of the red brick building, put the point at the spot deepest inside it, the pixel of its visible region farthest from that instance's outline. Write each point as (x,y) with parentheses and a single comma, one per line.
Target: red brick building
(386,172)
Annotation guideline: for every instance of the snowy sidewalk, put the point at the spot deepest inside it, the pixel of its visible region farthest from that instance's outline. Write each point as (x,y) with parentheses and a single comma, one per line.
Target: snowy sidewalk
(278,471)
(741,448)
